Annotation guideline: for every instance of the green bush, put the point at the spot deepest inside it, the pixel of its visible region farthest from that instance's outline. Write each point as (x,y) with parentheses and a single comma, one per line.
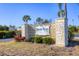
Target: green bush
(45,40)
(37,39)
(48,40)
(70,35)
(1,35)
(6,34)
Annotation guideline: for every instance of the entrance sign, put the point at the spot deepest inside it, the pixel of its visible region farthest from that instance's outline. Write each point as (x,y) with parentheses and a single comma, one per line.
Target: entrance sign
(61,32)
(42,30)
(60,29)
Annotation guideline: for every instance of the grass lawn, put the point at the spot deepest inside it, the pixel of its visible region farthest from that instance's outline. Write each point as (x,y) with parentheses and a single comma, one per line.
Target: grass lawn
(32,49)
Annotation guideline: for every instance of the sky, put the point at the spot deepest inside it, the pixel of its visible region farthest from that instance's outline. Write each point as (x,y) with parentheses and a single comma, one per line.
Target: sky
(12,13)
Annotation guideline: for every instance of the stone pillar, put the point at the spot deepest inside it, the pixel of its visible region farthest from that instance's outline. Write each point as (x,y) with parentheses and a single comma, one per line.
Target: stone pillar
(25,31)
(53,31)
(61,32)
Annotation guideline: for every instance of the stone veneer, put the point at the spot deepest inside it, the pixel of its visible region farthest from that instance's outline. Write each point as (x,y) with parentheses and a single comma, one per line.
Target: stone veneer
(52,31)
(61,32)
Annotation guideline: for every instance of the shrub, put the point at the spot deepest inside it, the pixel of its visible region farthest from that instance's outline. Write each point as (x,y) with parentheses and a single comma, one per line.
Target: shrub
(36,39)
(70,35)
(18,38)
(48,40)
(45,40)
(6,34)
(1,35)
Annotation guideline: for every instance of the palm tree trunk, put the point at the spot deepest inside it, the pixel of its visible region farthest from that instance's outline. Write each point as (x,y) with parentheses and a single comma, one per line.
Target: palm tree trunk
(65,10)
(66,22)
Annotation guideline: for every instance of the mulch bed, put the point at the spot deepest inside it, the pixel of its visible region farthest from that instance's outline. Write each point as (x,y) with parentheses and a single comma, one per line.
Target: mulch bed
(33,49)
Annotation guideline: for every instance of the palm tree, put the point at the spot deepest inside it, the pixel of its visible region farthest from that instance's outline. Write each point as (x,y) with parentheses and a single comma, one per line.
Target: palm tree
(26,18)
(65,5)
(39,20)
(45,21)
(60,6)
(62,12)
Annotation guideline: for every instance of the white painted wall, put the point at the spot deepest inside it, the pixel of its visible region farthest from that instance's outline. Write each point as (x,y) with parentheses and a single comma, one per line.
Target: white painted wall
(25,31)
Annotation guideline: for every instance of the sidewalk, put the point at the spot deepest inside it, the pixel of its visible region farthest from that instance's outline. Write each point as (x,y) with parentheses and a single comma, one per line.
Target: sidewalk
(6,40)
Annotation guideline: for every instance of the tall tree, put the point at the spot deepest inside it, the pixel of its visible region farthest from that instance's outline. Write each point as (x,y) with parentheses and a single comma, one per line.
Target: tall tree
(65,5)
(39,20)
(5,27)
(60,12)
(60,6)
(72,28)
(26,18)
(1,27)
(46,21)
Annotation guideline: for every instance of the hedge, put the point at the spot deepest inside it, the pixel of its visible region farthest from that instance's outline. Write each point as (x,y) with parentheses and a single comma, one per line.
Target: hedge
(6,34)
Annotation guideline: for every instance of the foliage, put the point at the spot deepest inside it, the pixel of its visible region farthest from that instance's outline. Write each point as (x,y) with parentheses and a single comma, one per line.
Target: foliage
(61,13)
(60,6)
(45,21)
(45,40)
(26,18)
(4,27)
(39,20)
(77,29)
(73,29)
(37,39)
(48,40)
(70,35)
(6,34)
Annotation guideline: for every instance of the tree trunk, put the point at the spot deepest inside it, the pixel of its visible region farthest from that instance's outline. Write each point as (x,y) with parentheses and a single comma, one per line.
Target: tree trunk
(65,10)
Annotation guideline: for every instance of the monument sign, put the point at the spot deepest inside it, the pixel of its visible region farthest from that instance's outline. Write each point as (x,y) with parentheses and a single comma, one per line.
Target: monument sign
(61,32)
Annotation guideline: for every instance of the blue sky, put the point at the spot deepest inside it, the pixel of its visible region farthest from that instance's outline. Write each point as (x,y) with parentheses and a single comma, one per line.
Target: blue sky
(11,14)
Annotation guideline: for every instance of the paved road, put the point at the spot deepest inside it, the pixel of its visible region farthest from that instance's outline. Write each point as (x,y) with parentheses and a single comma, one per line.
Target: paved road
(6,40)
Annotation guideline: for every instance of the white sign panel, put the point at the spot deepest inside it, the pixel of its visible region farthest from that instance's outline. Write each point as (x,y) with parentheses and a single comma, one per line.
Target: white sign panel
(42,30)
